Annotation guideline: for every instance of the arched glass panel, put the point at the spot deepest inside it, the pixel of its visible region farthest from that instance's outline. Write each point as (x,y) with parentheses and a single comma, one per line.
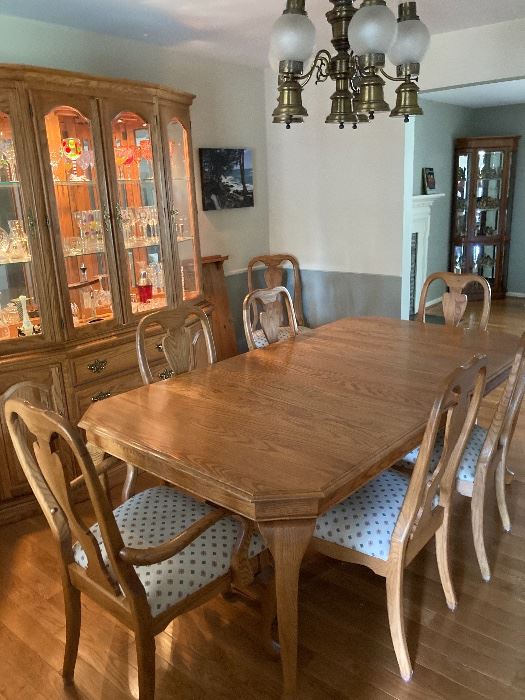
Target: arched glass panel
(137,199)
(19,311)
(183,212)
(81,222)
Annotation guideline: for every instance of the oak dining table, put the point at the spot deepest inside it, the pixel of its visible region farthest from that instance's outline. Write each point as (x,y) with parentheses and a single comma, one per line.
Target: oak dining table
(281,434)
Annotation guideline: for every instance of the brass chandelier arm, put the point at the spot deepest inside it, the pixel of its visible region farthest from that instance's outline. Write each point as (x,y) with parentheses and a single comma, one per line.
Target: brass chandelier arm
(398,79)
(321,64)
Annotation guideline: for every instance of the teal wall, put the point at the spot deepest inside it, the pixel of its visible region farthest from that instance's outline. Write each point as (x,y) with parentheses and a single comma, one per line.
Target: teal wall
(434,148)
(509,120)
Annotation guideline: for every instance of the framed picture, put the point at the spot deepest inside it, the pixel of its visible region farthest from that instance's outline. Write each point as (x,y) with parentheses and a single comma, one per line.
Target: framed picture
(429,180)
(226,178)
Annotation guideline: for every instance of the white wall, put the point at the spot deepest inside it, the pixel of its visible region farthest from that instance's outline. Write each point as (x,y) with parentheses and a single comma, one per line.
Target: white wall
(228,112)
(478,55)
(336,196)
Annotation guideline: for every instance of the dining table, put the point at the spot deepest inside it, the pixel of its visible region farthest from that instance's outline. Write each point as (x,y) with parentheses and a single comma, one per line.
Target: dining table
(281,434)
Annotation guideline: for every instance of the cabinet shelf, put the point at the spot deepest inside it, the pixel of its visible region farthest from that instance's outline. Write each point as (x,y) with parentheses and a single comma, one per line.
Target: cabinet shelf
(27,259)
(75,183)
(146,243)
(12,183)
(84,253)
(136,181)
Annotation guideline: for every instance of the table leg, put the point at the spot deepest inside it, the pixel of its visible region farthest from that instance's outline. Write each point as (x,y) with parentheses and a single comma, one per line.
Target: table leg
(287,540)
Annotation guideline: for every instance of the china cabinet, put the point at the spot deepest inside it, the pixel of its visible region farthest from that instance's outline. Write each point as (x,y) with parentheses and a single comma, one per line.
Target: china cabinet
(481,208)
(98,227)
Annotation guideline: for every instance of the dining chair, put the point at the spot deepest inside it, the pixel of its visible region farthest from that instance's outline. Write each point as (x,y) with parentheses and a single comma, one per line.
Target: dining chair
(154,557)
(486,455)
(387,522)
(262,313)
(179,341)
(454,300)
(179,345)
(48,397)
(273,277)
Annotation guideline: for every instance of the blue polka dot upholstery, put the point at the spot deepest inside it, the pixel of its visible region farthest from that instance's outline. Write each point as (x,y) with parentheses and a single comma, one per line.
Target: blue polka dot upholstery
(366,520)
(284,333)
(155,516)
(467,466)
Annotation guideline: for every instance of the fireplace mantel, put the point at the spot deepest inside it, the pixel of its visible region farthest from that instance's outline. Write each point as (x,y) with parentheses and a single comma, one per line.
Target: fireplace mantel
(421,212)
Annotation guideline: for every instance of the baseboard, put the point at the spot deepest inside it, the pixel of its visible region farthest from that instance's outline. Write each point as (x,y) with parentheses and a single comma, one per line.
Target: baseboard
(518,295)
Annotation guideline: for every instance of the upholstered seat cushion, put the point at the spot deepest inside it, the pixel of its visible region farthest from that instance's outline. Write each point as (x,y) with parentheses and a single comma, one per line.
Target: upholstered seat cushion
(155,516)
(467,467)
(366,520)
(283,333)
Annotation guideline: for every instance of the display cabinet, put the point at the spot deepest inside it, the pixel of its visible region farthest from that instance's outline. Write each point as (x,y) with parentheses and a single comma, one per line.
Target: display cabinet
(98,227)
(481,208)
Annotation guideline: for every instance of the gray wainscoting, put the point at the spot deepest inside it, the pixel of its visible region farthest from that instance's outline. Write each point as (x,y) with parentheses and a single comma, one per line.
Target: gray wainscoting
(327,296)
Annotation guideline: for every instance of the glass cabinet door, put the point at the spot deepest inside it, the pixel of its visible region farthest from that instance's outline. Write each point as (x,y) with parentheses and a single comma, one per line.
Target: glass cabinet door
(141,221)
(80,216)
(462,194)
(488,192)
(181,202)
(20,263)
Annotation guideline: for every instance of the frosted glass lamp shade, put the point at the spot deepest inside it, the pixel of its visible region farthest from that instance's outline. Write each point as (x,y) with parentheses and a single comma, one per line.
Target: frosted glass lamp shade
(293,38)
(411,42)
(372,30)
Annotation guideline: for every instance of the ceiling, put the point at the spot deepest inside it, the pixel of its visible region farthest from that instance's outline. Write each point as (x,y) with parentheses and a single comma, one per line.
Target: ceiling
(506,92)
(236,30)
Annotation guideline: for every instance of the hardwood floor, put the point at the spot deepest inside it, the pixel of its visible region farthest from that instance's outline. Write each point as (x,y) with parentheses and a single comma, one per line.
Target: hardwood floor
(345,647)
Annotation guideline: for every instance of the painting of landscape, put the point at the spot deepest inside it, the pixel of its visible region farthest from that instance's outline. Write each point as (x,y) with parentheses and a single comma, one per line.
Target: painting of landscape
(227,178)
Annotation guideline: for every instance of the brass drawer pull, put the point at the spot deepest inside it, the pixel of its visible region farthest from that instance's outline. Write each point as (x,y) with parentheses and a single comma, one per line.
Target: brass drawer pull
(159,347)
(101,396)
(98,366)
(166,373)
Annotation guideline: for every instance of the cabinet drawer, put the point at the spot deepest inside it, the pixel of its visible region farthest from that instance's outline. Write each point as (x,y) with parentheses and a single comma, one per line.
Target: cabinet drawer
(104,388)
(112,360)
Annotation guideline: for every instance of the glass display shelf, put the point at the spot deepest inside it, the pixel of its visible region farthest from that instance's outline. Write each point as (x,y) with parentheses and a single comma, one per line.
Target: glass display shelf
(80,254)
(76,183)
(11,183)
(145,243)
(15,261)
(487,208)
(133,181)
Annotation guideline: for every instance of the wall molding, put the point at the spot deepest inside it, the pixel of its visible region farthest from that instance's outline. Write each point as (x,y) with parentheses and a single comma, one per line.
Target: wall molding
(313,268)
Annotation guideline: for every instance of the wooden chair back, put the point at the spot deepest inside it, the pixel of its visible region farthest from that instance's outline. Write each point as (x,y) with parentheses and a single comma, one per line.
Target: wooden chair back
(47,476)
(515,389)
(273,276)
(454,299)
(503,424)
(262,310)
(458,404)
(179,342)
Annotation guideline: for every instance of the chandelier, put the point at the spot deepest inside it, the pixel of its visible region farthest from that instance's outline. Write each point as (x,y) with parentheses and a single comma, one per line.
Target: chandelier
(361,38)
